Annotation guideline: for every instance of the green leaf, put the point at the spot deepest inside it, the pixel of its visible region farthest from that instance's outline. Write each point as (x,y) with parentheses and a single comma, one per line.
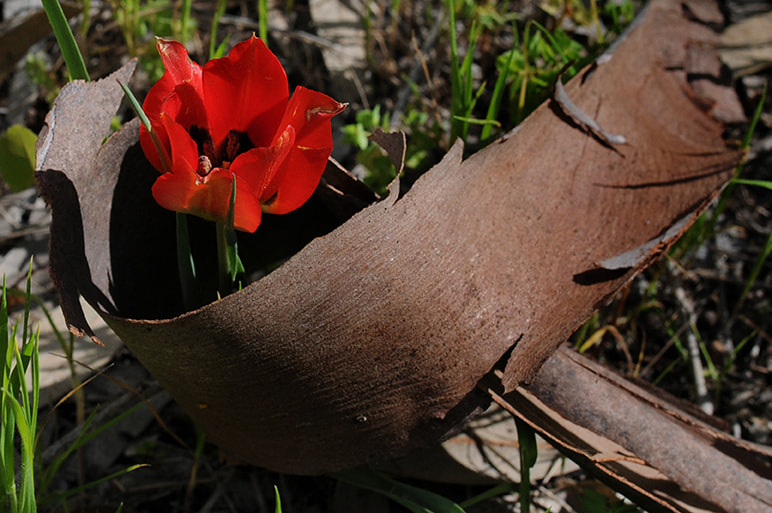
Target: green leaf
(235,265)
(17,157)
(159,147)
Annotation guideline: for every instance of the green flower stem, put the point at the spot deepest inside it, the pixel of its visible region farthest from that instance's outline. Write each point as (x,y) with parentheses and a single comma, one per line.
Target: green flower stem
(526,438)
(229,263)
(225,283)
(185,265)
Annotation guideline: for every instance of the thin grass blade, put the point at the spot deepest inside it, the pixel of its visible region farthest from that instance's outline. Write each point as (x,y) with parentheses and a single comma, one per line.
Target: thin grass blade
(76,67)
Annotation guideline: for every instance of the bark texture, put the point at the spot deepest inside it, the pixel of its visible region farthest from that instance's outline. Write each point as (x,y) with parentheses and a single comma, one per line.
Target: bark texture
(370,341)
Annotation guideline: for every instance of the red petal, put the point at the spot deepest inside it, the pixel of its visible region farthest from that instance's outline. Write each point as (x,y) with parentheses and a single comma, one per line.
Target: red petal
(309,113)
(262,168)
(179,67)
(245,91)
(178,93)
(186,107)
(183,190)
(210,200)
(179,70)
(149,148)
(182,150)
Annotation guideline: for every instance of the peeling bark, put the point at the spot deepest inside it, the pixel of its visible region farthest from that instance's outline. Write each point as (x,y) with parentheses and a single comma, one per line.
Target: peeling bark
(645,447)
(370,341)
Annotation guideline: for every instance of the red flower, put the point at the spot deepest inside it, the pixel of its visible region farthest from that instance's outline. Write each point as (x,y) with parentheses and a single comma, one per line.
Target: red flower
(234,118)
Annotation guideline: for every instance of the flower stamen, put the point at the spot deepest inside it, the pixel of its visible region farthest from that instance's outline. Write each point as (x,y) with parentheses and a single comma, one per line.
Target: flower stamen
(204,166)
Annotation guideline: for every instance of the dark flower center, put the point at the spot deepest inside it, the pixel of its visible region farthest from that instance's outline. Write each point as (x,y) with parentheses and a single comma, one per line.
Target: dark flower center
(235,143)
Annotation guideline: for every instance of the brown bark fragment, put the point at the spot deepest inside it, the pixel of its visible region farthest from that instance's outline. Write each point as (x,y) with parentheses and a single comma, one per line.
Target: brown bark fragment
(370,340)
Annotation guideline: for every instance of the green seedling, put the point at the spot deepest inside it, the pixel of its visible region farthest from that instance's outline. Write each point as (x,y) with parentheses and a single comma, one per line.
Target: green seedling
(18,408)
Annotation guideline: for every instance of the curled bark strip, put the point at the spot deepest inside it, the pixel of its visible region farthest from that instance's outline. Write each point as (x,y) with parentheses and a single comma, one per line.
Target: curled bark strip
(370,340)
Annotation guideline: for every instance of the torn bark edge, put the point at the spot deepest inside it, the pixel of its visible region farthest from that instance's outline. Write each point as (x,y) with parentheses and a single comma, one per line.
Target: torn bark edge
(583,120)
(639,258)
(54,186)
(395,146)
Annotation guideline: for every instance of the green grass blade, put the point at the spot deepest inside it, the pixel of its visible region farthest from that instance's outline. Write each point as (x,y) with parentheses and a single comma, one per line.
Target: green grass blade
(262,20)
(76,67)
(767,184)
(413,498)
(729,190)
(277,509)
(498,93)
(26,494)
(185,32)
(489,494)
(756,116)
(455,74)
(7,416)
(27,301)
(84,437)
(165,160)
(74,491)
(756,270)
(5,342)
(219,11)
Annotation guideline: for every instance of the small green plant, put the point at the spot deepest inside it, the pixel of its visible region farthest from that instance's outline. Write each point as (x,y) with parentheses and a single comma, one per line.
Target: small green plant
(535,63)
(463,95)
(618,15)
(140,21)
(37,67)
(25,486)
(380,170)
(18,408)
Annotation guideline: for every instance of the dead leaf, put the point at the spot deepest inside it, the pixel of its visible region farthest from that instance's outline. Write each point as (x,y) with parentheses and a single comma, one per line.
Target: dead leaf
(746,47)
